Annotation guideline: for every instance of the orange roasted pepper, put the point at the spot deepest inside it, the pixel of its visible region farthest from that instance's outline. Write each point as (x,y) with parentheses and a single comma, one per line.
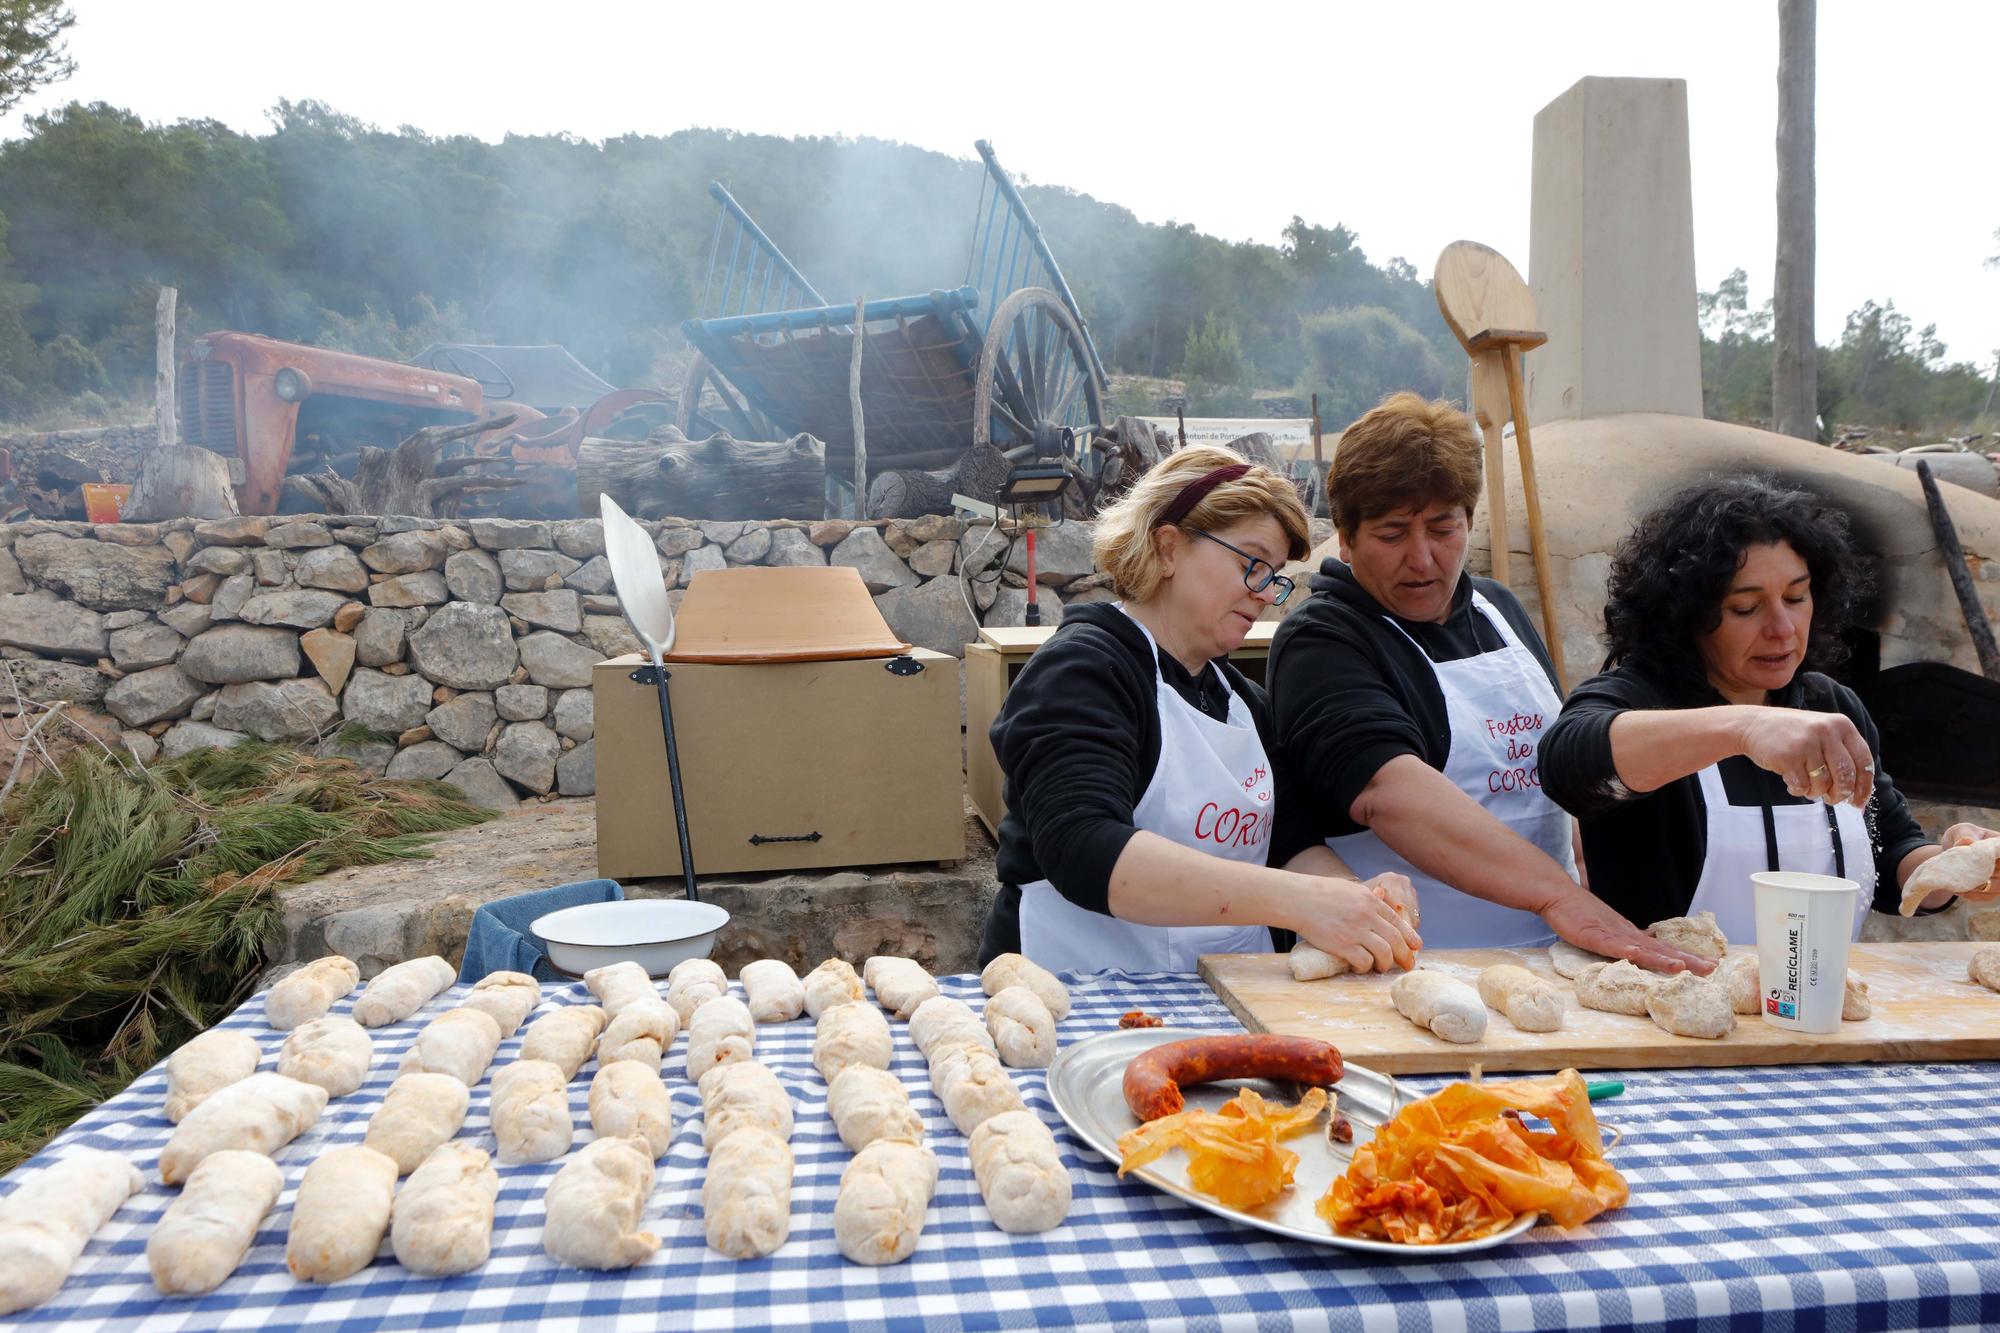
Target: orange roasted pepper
(1233,1153)
(1452,1167)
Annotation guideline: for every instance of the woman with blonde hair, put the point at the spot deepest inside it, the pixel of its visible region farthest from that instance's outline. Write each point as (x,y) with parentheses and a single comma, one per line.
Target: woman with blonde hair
(1144,822)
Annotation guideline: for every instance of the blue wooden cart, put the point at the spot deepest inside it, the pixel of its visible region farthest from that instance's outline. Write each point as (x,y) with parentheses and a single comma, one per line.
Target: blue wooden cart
(1004,359)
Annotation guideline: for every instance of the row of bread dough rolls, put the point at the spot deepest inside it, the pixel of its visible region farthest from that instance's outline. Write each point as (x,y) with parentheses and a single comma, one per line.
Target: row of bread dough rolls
(1015,1159)
(886,1188)
(1685,1004)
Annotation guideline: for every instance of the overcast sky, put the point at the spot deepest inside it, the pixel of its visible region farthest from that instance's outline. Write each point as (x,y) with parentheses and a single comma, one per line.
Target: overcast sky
(1410,122)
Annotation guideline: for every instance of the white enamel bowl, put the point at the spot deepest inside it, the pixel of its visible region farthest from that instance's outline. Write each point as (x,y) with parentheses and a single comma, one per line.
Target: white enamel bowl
(655,933)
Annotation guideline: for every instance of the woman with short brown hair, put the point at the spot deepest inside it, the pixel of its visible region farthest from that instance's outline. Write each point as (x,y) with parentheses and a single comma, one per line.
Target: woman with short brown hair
(1410,700)
(1145,824)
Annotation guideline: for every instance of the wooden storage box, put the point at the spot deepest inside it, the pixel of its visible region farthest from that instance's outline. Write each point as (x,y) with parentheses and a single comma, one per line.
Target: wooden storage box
(784,765)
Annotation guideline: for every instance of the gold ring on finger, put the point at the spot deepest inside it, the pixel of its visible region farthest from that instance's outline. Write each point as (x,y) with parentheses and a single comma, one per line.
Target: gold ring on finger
(1816,773)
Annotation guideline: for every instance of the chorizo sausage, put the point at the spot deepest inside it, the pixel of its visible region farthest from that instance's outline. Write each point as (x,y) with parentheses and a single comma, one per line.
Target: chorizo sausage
(1154,1078)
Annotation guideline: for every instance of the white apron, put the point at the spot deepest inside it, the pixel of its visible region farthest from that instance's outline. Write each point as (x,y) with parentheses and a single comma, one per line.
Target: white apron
(1744,839)
(1212,791)
(1496,704)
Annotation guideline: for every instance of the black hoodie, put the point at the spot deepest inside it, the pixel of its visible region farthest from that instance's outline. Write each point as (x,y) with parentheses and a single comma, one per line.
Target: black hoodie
(1350,690)
(1078,739)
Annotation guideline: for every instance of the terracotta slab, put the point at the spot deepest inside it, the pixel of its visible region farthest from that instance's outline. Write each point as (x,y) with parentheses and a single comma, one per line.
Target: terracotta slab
(802,614)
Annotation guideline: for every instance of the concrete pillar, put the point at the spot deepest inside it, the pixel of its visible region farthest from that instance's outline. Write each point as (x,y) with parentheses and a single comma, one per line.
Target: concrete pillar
(1611,253)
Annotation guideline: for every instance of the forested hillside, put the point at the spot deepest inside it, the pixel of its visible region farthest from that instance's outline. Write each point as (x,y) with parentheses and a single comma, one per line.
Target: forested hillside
(330,231)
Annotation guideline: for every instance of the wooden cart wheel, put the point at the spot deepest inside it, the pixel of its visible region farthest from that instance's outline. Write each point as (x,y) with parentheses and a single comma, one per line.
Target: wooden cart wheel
(697,419)
(1034,377)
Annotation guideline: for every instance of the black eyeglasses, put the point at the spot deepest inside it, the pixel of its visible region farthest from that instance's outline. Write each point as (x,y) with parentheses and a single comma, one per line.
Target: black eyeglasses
(1252,580)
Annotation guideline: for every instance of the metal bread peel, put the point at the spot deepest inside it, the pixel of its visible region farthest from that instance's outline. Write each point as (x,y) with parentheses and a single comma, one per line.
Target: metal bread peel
(642,596)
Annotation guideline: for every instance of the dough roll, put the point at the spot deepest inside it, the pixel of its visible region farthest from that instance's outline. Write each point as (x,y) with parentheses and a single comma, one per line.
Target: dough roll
(595,1206)
(743,1095)
(1530,1003)
(851,1034)
(1024,1031)
(531,1120)
(205,1064)
(900,984)
(878,1215)
(459,1042)
(419,1112)
(868,1104)
(49,1218)
(399,991)
(341,1214)
(746,1199)
(1020,1173)
(642,1032)
(721,1032)
(1013,969)
(1441,1004)
(204,1234)
(692,984)
(443,1220)
(310,991)
(333,1053)
(772,990)
(942,1019)
(618,985)
(261,1114)
(564,1037)
(973,1086)
(628,1101)
(833,982)
(505,997)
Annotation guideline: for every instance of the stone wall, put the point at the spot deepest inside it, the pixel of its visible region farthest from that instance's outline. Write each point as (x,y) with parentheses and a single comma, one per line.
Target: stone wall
(459,650)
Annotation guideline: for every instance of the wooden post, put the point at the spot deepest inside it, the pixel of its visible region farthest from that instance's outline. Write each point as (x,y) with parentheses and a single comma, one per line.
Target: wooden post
(1319,459)
(1794,345)
(1490,411)
(1545,587)
(854,402)
(164,410)
(1180,415)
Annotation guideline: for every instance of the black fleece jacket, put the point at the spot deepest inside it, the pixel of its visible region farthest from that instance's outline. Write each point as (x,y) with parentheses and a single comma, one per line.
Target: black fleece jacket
(1645,850)
(1078,739)
(1350,691)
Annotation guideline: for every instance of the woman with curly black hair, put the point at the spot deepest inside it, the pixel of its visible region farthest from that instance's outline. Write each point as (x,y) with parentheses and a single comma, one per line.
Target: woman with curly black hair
(1714,745)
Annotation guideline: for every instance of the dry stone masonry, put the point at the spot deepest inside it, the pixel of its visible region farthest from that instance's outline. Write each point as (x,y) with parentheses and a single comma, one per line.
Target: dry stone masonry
(423,648)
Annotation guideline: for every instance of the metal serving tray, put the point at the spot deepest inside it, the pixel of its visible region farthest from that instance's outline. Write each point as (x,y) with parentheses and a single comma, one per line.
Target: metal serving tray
(1087,1081)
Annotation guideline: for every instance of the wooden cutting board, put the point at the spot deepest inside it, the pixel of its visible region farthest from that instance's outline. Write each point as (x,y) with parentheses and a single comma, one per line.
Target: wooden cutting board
(1925,1008)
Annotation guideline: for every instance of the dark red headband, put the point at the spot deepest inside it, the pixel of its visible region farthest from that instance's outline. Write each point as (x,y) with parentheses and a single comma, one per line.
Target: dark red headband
(1192,493)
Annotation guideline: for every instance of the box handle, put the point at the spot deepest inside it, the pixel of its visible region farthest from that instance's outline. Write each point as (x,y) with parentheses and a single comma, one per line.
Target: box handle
(758,839)
(903,666)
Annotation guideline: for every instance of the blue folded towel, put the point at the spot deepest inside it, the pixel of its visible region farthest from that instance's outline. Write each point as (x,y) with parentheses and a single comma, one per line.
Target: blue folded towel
(500,940)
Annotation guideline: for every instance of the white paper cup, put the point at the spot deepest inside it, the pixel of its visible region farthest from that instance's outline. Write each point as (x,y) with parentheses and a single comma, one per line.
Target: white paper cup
(1804,925)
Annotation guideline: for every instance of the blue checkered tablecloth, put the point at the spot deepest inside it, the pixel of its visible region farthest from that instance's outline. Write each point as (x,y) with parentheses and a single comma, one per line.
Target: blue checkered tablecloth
(1806,1197)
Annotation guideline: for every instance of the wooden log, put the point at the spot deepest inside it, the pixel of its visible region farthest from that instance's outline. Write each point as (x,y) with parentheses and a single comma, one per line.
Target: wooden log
(409,480)
(913,492)
(164,409)
(717,478)
(182,481)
